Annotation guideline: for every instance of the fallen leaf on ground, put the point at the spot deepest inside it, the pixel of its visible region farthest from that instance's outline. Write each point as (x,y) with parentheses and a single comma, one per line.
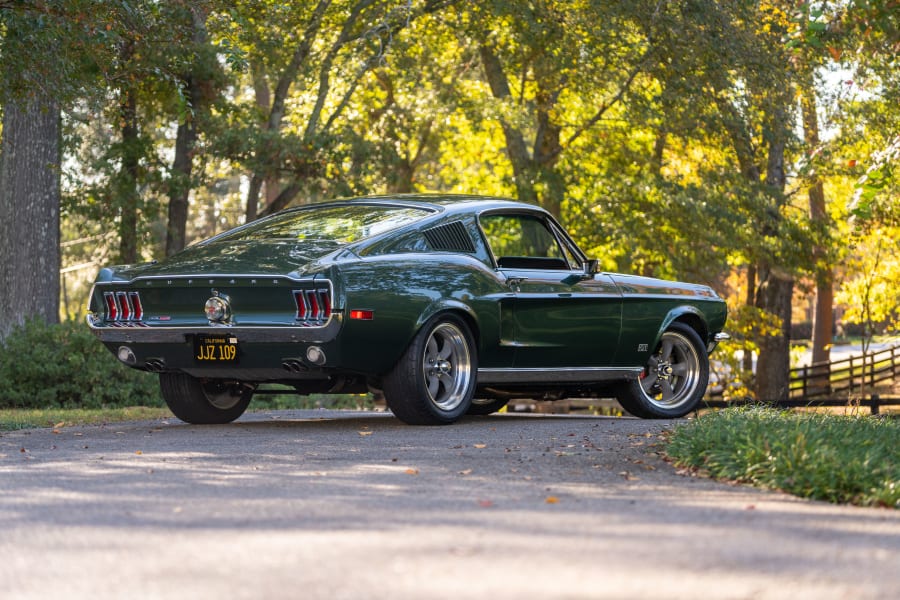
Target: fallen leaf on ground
(412,471)
(466,472)
(551,500)
(366,432)
(479,446)
(485,503)
(138,452)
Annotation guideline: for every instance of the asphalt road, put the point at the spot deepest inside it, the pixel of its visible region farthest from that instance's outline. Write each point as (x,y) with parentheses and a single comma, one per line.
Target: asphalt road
(320,504)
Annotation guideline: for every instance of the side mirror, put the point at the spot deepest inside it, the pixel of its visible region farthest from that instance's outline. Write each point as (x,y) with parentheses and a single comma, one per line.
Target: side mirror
(590,267)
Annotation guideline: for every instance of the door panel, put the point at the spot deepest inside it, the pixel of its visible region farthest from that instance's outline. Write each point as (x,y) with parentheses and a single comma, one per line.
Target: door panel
(562,320)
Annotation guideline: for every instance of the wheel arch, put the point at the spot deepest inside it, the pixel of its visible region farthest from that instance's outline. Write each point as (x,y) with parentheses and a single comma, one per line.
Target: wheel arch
(454,307)
(687,315)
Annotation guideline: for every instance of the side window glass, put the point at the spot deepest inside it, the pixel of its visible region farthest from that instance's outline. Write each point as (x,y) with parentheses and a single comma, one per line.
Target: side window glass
(522,241)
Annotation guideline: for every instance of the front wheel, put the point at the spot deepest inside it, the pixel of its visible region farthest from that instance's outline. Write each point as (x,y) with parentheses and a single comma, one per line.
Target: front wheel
(481,406)
(204,402)
(673,381)
(434,380)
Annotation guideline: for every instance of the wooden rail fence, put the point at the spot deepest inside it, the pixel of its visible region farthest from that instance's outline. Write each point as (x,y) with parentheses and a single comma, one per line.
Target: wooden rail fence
(852,380)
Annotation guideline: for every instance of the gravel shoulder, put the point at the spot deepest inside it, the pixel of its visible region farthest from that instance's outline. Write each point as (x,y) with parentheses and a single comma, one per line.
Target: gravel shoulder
(334,504)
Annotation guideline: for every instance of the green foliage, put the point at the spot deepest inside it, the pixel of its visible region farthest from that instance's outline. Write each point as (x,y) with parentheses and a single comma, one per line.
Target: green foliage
(836,458)
(45,366)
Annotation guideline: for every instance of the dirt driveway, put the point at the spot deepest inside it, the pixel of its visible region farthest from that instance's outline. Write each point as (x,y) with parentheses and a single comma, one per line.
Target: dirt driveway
(320,504)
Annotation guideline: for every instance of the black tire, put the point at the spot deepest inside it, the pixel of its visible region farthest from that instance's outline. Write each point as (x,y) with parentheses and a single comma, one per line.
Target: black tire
(204,402)
(481,406)
(434,380)
(673,381)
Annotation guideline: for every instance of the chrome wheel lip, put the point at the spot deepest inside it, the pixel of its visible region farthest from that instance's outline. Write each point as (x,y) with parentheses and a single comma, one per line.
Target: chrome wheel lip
(447,367)
(672,374)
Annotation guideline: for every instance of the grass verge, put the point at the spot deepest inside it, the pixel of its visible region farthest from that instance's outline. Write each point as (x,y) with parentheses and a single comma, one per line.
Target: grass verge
(29,418)
(843,459)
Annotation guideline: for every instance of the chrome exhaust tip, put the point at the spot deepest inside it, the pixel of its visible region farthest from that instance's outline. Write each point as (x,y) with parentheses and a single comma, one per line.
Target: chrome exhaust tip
(294,365)
(155,365)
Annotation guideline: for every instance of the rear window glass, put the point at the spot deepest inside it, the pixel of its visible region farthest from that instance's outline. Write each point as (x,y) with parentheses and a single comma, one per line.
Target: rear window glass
(341,224)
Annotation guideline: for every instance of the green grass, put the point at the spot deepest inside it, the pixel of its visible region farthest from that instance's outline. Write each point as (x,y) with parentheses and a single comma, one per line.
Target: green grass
(843,459)
(30,418)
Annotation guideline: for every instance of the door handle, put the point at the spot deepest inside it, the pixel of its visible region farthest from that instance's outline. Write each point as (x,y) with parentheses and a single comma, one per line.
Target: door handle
(515,282)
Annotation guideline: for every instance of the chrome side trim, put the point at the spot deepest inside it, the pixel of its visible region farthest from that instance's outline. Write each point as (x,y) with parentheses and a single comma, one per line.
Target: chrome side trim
(562,375)
(180,335)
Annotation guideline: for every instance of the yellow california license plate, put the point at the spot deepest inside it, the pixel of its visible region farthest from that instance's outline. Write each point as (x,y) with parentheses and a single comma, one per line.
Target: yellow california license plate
(215,349)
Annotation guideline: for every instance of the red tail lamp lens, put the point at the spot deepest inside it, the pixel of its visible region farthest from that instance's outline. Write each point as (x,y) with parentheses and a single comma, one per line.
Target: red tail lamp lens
(362,315)
(112,309)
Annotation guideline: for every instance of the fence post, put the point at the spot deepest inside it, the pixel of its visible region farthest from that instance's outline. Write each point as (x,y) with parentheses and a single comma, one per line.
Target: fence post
(872,371)
(876,401)
(850,389)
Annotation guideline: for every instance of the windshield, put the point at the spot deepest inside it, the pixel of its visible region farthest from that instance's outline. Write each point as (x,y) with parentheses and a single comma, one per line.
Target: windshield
(342,224)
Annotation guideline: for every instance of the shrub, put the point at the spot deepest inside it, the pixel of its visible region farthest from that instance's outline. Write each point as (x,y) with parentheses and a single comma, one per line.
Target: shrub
(45,366)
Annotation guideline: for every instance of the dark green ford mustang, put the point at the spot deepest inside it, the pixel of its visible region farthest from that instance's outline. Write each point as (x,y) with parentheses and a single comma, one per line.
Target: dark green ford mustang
(447,304)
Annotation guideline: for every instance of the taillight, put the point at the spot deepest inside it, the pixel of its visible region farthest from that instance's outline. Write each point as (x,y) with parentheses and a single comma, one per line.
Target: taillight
(123,301)
(138,312)
(313,306)
(123,306)
(112,308)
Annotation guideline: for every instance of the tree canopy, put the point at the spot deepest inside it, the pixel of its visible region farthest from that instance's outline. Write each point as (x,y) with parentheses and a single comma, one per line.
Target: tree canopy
(751,146)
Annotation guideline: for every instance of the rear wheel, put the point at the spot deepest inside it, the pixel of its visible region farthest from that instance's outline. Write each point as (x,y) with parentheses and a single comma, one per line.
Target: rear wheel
(673,381)
(434,380)
(204,402)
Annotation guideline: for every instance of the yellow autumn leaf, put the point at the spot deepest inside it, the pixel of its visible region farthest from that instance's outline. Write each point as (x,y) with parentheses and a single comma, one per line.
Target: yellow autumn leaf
(551,500)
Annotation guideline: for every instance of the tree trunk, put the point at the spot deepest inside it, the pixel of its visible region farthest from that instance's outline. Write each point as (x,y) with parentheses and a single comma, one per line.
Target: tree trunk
(776,290)
(181,182)
(776,286)
(29,213)
(750,300)
(126,187)
(823,318)
(182,170)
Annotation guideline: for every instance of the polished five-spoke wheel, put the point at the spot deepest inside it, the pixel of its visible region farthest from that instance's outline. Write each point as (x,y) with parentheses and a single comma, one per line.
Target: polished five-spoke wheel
(434,381)
(673,381)
(447,366)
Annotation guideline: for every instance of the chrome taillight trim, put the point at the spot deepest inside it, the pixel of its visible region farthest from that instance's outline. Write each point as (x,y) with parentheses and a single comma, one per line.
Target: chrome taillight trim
(313,305)
(123,307)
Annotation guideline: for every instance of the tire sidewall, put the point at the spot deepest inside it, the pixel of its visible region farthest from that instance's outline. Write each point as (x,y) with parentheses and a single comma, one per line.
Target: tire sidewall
(187,398)
(405,387)
(636,401)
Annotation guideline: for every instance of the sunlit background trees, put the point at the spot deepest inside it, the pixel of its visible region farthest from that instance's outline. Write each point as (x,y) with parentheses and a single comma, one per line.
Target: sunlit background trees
(750,145)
